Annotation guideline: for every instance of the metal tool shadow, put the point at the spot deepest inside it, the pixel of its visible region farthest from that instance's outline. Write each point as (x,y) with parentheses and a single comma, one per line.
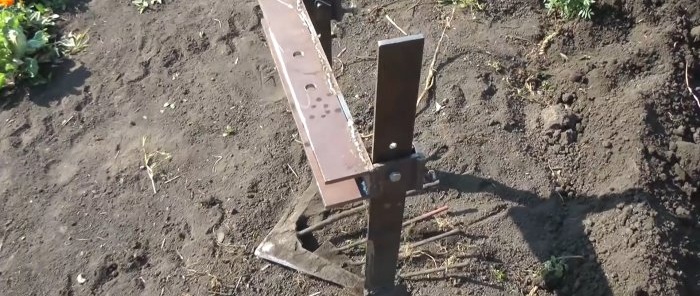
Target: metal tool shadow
(553,226)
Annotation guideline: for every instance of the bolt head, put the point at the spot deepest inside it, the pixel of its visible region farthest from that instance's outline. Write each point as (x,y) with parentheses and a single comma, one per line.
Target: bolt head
(395,177)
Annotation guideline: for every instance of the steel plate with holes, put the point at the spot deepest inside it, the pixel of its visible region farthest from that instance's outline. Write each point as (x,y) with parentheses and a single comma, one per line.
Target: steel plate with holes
(335,150)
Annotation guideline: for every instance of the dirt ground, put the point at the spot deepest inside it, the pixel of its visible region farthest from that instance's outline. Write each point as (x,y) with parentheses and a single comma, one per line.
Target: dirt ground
(551,138)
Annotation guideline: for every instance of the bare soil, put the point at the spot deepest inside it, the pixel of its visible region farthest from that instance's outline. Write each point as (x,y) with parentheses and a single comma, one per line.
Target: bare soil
(586,145)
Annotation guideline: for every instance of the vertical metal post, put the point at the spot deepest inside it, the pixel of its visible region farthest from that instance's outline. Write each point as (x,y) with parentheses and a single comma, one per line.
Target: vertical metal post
(398,79)
(321,12)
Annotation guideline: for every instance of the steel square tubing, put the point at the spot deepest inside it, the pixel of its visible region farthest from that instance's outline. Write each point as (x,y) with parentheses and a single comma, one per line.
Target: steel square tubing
(334,148)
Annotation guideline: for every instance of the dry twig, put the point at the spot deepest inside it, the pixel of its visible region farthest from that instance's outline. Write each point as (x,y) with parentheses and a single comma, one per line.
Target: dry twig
(690,88)
(151,161)
(332,219)
(293,172)
(218,158)
(388,18)
(433,238)
(405,224)
(547,41)
(433,270)
(426,215)
(430,78)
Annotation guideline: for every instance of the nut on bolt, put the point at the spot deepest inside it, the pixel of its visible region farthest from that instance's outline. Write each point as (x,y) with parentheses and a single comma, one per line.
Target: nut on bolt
(395,177)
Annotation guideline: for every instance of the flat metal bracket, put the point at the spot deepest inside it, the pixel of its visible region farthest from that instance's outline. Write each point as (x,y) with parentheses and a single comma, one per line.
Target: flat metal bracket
(334,148)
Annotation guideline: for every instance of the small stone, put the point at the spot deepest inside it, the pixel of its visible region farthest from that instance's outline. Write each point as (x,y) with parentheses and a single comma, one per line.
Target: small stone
(695,33)
(607,144)
(568,137)
(576,76)
(568,98)
(220,235)
(680,173)
(672,146)
(493,122)
(557,117)
(556,134)
(682,213)
(80,279)
(679,131)
(556,147)
(651,150)
(689,158)
(669,155)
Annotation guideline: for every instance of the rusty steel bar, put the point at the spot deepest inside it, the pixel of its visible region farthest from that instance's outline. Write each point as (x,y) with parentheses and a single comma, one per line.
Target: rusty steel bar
(336,154)
(398,77)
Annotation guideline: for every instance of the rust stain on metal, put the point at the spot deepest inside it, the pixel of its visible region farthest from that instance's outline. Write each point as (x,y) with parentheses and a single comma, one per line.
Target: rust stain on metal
(333,146)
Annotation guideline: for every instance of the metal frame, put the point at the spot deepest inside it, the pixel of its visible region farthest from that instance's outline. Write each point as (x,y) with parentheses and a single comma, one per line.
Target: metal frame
(300,42)
(398,77)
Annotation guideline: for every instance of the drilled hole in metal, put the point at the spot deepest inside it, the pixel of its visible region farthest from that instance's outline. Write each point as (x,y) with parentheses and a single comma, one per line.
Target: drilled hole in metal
(323,116)
(325,105)
(318,99)
(337,110)
(310,86)
(312,117)
(297,54)
(313,106)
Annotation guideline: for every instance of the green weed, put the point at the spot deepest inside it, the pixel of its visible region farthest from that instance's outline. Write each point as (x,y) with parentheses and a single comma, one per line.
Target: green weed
(74,43)
(553,271)
(571,8)
(142,5)
(500,275)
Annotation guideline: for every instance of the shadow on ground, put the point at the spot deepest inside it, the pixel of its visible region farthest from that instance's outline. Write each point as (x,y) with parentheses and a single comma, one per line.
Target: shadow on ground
(68,78)
(74,6)
(564,232)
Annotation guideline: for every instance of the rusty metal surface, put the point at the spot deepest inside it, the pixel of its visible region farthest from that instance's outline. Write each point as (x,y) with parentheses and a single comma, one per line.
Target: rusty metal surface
(283,247)
(398,77)
(333,146)
(333,194)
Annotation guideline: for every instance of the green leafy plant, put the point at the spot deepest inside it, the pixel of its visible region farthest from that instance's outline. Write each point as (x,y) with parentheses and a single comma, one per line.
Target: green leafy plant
(470,4)
(53,4)
(142,5)
(571,8)
(73,43)
(554,271)
(25,43)
(29,43)
(500,275)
